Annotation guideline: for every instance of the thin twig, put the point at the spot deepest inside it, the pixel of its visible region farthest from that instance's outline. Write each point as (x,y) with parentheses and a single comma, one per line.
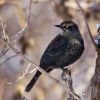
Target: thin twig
(21,77)
(32,70)
(29,14)
(20,33)
(4,35)
(3,28)
(88,29)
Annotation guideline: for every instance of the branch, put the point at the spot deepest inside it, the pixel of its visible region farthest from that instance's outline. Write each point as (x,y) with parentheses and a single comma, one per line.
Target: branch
(66,77)
(20,33)
(95,82)
(4,35)
(88,29)
(21,77)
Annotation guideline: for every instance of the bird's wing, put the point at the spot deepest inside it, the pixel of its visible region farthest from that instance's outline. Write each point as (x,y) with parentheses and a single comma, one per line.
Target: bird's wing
(54,50)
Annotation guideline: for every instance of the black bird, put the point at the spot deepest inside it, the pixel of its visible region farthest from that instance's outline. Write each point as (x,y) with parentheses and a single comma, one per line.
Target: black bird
(64,49)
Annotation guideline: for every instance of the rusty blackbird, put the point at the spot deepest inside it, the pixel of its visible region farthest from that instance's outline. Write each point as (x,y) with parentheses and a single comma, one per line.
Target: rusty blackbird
(64,49)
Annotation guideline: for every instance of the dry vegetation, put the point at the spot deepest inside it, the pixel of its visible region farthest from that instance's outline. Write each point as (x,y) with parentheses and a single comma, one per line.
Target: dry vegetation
(26,28)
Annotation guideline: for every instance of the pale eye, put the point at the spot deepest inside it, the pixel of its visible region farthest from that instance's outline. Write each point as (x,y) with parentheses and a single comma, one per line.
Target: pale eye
(67,26)
(64,25)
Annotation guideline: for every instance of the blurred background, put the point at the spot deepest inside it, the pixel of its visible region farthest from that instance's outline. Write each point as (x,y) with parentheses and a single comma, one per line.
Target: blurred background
(44,15)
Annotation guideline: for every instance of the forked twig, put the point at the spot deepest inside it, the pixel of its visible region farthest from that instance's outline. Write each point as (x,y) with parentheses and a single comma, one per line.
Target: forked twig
(20,33)
(21,77)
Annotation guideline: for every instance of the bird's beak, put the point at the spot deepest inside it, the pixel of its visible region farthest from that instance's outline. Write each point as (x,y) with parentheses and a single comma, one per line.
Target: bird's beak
(59,26)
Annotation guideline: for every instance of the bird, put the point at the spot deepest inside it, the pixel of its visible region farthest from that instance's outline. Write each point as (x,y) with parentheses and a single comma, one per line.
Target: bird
(66,48)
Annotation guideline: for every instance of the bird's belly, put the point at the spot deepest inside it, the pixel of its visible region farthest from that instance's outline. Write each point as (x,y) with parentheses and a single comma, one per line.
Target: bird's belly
(68,58)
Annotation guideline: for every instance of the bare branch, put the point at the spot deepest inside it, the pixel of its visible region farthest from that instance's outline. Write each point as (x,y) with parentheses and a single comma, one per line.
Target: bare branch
(95,82)
(4,35)
(20,33)
(88,29)
(29,14)
(21,77)
(66,77)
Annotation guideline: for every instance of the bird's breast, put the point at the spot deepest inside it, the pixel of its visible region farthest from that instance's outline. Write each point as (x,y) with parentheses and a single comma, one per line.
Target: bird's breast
(75,46)
(72,53)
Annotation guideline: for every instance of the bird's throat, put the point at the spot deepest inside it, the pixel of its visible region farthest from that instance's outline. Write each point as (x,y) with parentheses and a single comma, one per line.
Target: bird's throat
(66,34)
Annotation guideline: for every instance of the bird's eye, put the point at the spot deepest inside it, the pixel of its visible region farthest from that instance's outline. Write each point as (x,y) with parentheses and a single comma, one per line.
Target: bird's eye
(67,26)
(64,25)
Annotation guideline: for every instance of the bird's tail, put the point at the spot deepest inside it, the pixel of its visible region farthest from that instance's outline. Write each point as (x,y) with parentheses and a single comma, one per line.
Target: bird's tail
(33,81)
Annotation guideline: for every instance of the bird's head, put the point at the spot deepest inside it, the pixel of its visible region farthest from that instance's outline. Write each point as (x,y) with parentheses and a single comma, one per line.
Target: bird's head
(68,27)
